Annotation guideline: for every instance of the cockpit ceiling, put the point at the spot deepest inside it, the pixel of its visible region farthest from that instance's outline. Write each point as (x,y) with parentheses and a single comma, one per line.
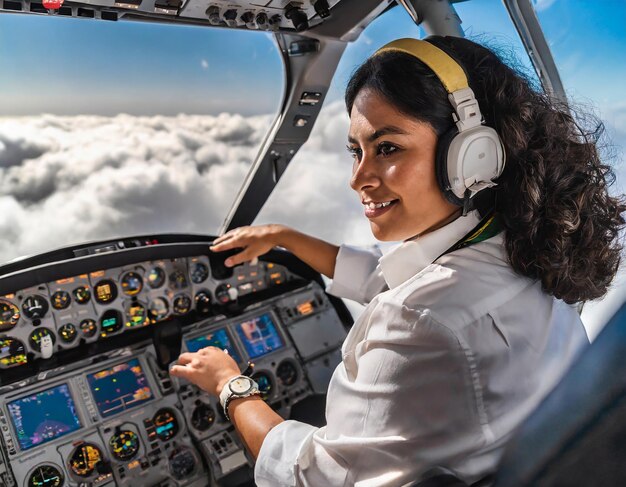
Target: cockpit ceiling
(262,15)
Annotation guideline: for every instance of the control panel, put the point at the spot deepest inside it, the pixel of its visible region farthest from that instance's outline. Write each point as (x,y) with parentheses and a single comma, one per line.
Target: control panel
(88,414)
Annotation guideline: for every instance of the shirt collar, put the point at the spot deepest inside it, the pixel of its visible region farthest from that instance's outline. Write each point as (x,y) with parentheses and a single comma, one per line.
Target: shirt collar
(413,256)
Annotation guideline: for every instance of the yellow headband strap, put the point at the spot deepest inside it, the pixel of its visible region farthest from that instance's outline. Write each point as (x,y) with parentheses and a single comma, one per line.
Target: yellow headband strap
(447,69)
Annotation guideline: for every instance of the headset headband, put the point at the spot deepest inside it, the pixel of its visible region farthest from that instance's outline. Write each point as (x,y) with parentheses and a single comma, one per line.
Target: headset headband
(450,73)
(447,69)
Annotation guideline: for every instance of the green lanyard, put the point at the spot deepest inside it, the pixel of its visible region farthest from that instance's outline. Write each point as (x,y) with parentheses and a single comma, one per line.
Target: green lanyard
(490,226)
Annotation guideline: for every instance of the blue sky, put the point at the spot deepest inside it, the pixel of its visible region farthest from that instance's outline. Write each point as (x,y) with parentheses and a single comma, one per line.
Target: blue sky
(78,66)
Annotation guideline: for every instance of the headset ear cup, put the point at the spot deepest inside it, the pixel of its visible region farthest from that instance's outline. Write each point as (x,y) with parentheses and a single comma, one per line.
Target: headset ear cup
(441,165)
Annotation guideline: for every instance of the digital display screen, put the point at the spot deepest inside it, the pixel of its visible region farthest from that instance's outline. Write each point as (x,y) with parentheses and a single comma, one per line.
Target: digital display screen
(119,388)
(218,338)
(259,335)
(44,416)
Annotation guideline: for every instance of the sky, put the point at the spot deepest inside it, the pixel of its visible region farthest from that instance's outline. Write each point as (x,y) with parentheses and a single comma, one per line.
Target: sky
(116,128)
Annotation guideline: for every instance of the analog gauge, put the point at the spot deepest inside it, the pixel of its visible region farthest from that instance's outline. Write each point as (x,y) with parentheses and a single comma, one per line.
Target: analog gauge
(178,280)
(287,373)
(60,300)
(82,294)
(158,309)
(132,284)
(182,304)
(110,322)
(199,272)
(67,333)
(203,416)
(124,445)
(156,277)
(265,384)
(222,293)
(166,424)
(105,291)
(182,462)
(9,315)
(88,327)
(35,338)
(45,476)
(137,315)
(84,459)
(203,302)
(35,307)
(12,352)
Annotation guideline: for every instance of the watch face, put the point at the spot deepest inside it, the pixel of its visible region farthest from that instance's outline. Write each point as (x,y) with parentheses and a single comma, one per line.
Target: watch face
(240,385)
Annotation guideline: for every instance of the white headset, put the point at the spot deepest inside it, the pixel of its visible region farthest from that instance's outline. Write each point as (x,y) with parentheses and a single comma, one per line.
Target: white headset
(470,156)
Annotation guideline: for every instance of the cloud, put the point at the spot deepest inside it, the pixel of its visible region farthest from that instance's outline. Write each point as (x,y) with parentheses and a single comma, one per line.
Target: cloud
(66,180)
(204,64)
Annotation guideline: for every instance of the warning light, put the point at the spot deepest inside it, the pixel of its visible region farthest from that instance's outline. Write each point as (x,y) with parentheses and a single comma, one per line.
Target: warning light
(52,4)
(305,308)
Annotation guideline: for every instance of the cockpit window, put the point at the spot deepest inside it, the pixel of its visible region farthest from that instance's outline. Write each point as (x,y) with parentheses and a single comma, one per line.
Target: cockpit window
(112,129)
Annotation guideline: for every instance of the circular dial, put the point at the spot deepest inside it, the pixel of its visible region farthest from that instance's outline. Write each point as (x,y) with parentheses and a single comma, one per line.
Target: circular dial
(287,373)
(61,300)
(45,476)
(12,352)
(156,277)
(222,293)
(182,304)
(132,283)
(178,280)
(84,459)
(203,302)
(105,291)
(88,327)
(124,445)
(165,423)
(137,315)
(265,384)
(35,307)
(203,416)
(35,338)
(110,322)
(82,294)
(199,272)
(67,333)
(182,462)
(158,309)
(9,315)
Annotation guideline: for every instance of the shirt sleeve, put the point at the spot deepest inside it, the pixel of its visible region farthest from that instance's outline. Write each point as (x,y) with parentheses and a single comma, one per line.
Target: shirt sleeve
(357,274)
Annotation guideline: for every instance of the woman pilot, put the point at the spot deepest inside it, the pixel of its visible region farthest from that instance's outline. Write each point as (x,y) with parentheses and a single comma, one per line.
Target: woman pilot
(500,201)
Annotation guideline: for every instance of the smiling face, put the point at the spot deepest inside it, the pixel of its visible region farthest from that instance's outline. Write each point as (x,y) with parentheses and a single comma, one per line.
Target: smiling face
(394,170)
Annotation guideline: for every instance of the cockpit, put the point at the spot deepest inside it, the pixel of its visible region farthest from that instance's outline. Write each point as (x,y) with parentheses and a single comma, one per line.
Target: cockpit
(100,308)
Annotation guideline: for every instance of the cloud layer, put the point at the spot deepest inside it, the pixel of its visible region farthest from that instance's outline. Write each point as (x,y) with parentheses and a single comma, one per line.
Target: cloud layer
(71,179)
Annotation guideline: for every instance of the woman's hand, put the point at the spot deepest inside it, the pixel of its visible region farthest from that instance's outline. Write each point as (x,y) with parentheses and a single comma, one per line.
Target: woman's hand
(209,368)
(255,241)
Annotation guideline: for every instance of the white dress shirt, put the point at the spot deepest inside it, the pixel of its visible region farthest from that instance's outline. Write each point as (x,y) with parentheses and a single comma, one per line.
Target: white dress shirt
(437,371)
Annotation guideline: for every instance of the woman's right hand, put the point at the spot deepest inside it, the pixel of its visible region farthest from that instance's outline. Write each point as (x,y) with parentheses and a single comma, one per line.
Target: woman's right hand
(254,240)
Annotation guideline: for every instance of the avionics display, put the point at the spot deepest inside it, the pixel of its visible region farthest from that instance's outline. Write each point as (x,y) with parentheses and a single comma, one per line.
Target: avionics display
(259,335)
(218,338)
(120,387)
(44,416)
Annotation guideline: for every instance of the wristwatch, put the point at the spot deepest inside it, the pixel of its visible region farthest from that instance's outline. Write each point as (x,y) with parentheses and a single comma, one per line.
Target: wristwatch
(238,387)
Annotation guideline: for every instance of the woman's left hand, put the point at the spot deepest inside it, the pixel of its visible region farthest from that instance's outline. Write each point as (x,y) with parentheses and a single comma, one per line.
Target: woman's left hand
(209,368)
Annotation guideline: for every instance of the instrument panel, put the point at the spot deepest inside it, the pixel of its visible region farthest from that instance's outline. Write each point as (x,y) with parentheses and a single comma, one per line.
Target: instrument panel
(77,310)
(88,414)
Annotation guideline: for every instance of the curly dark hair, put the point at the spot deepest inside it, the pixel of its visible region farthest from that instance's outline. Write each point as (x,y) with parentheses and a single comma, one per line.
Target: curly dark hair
(562,225)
